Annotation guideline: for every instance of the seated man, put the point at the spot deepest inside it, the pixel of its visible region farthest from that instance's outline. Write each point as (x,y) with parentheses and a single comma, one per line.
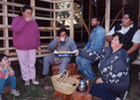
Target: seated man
(61,43)
(96,42)
(130,31)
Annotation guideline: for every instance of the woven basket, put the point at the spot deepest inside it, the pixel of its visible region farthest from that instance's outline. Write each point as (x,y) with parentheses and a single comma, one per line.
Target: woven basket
(64,83)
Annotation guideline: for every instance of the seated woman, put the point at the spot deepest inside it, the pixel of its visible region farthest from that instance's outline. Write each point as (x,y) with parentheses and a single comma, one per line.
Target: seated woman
(114,69)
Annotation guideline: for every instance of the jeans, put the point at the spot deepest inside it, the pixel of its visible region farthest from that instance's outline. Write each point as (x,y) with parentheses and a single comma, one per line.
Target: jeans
(48,60)
(11,80)
(85,67)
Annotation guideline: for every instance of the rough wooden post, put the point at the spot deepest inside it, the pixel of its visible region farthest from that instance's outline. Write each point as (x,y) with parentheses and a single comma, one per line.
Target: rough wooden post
(139,15)
(32,3)
(54,17)
(5,29)
(89,15)
(107,19)
(71,20)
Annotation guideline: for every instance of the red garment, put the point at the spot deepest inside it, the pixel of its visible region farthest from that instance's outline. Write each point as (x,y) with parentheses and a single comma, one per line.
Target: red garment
(3,74)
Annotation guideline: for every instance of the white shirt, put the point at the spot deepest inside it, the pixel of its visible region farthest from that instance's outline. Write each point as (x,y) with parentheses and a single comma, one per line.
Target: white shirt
(136,37)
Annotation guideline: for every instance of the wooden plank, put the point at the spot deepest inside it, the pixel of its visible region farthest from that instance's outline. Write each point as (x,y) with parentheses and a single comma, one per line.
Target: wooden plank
(63,19)
(61,1)
(116,17)
(139,15)
(81,19)
(50,1)
(89,16)
(21,5)
(5,30)
(71,19)
(54,16)
(37,56)
(60,10)
(44,18)
(103,20)
(32,4)
(107,19)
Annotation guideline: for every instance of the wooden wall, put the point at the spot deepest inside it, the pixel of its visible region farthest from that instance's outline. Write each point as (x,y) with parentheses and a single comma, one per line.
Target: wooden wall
(45,14)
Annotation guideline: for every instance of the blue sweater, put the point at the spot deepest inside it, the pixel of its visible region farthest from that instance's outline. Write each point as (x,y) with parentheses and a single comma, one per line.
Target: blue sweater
(113,67)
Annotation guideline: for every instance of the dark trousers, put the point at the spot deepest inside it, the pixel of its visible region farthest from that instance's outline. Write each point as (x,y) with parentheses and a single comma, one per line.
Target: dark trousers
(106,91)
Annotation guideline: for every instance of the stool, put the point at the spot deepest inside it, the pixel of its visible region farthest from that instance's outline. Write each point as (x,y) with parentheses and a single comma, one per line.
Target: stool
(81,95)
(7,89)
(71,67)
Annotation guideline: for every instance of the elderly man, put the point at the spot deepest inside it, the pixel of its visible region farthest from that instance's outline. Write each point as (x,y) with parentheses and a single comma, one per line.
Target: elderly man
(96,42)
(61,43)
(131,32)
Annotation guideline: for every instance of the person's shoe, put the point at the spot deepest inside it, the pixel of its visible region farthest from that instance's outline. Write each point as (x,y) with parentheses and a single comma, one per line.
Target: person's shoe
(0,97)
(15,93)
(35,83)
(26,84)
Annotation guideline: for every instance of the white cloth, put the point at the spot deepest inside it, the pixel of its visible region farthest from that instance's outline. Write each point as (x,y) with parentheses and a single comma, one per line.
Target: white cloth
(136,37)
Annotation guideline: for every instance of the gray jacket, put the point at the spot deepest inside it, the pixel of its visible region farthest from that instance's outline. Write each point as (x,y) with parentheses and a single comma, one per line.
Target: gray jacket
(70,44)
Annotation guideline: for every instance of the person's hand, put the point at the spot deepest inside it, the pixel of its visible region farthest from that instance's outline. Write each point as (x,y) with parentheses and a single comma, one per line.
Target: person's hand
(9,64)
(28,19)
(99,80)
(58,40)
(39,50)
(83,49)
(6,66)
(76,52)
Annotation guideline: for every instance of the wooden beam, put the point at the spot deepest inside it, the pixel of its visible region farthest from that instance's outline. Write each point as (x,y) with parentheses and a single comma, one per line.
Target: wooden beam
(5,30)
(54,17)
(107,18)
(60,10)
(61,1)
(116,17)
(50,1)
(89,17)
(103,20)
(71,20)
(32,4)
(81,19)
(21,5)
(139,16)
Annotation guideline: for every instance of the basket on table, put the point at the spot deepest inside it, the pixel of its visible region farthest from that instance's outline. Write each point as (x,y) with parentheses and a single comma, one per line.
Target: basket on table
(64,83)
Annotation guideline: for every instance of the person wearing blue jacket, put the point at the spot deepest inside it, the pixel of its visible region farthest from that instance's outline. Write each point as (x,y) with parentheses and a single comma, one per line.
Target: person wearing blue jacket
(97,39)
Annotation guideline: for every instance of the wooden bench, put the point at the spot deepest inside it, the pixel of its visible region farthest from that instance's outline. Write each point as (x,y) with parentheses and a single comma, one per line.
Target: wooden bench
(7,89)
(71,67)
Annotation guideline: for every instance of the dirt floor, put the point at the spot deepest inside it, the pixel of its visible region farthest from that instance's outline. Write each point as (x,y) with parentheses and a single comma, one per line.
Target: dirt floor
(33,92)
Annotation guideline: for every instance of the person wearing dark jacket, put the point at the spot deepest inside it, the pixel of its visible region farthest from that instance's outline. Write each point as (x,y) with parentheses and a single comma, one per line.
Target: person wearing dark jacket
(114,69)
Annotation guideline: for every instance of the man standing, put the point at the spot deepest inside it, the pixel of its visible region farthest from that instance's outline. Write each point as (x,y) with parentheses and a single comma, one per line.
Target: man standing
(96,41)
(131,32)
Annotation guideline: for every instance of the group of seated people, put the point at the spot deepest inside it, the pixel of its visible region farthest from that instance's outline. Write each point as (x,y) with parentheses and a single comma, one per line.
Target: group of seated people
(114,61)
